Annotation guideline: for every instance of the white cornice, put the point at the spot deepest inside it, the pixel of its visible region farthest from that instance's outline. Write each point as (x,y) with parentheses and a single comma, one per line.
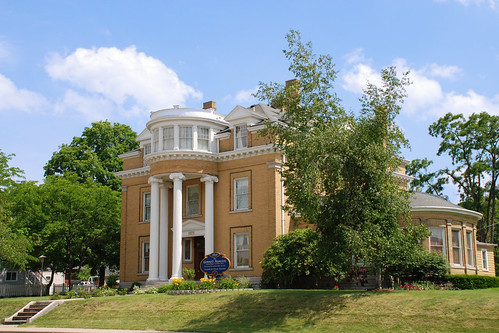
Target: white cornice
(224,135)
(139,172)
(402,176)
(207,156)
(447,210)
(130,154)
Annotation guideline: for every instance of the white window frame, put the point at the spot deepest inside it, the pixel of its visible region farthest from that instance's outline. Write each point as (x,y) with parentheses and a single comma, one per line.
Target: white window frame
(168,138)
(187,244)
(155,141)
(146,207)
(469,248)
(11,273)
(459,247)
(240,136)
(191,204)
(238,194)
(203,138)
(485,262)
(185,137)
(237,251)
(143,251)
(441,232)
(147,149)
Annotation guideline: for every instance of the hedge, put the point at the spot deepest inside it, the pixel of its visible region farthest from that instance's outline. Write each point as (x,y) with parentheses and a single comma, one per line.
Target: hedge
(473,281)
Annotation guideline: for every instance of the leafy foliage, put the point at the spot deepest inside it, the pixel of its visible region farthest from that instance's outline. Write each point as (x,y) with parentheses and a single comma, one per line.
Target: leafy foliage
(94,155)
(419,266)
(293,261)
(473,281)
(338,168)
(473,145)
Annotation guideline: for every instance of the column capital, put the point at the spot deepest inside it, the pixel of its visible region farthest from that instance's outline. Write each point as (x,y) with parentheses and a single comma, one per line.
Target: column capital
(166,185)
(177,176)
(209,179)
(154,180)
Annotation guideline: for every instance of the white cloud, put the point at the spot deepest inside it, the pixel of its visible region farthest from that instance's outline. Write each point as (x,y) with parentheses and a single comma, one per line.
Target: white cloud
(444,71)
(491,3)
(131,80)
(92,108)
(426,97)
(245,96)
(356,56)
(4,50)
(13,98)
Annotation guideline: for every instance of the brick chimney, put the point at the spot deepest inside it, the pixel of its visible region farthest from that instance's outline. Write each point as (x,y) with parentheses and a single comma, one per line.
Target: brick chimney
(210,105)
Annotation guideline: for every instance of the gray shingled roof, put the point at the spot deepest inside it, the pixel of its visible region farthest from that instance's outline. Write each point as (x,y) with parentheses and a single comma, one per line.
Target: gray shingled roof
(420,199)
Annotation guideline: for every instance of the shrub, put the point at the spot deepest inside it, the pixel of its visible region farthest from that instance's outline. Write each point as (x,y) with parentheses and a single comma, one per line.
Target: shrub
(473,281)
(56,296)
(134,284)
(164,288)
(112,281)
(244,282)
(151,290)
(122,291)
(292,261)
(421,265)
(188,274)
(71,294)
(137,291)
(103,291)
(228,283)
(207,283)
(84,293)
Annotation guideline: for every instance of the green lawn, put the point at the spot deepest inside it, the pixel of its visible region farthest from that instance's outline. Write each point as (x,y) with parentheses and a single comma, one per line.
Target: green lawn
(286,311)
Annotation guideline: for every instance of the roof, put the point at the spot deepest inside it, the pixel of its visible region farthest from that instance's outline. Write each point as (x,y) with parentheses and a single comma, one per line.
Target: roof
(421,202)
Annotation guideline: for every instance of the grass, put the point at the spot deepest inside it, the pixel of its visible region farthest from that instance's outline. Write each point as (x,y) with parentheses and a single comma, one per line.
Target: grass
(286,311)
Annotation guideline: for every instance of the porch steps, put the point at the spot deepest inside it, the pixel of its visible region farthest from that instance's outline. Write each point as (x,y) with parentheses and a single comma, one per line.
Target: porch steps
(31,311)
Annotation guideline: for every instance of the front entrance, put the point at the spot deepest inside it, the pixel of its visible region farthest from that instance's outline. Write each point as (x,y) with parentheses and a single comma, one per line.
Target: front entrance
(198,256)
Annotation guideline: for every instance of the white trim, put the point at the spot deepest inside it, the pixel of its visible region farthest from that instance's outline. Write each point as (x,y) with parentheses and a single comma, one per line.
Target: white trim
(142,270)
(184,258)
(485,260)
(441,209)
(235,249)
(236,208)
(132,173)
(130,154)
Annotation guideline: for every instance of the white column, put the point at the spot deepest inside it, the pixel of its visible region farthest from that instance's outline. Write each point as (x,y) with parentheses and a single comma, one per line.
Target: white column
(209,225)
(177,225)
(163,232)
(194,137)
(154,230)
(176,137)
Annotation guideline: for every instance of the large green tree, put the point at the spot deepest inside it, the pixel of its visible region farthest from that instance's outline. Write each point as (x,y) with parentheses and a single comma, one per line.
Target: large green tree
(473,146)
(72,223)
(338,167)
(94,155)
(14,245)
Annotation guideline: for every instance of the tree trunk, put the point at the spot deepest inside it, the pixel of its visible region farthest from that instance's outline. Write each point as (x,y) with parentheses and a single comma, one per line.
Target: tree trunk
(102,276)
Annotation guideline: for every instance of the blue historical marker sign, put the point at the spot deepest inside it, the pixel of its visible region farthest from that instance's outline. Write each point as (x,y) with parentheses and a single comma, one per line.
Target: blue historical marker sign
(215,264)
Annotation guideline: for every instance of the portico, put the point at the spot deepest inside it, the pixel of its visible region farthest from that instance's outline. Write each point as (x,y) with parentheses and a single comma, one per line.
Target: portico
(158,239)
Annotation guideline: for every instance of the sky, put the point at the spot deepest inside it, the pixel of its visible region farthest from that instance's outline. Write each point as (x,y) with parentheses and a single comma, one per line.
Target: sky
(66,64)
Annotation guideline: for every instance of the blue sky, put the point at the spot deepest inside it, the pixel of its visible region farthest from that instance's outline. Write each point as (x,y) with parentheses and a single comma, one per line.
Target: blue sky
(64,64)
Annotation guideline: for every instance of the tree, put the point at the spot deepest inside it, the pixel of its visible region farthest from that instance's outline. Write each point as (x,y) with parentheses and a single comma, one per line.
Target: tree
(68,221)
(14,246)
(473,145)
(94,155)
(338,167)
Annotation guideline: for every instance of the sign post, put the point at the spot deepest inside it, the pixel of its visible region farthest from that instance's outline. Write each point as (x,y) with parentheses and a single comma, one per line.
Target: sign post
(215,265)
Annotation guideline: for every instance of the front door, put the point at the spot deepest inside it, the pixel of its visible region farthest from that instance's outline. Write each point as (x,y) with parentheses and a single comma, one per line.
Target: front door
(198,256)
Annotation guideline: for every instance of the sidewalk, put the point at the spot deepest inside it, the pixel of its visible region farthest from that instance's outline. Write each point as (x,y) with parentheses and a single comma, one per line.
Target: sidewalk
(30,329)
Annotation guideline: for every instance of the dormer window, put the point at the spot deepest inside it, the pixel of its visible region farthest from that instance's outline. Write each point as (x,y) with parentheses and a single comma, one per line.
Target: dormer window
(185,137)
(241,137)
(168,138)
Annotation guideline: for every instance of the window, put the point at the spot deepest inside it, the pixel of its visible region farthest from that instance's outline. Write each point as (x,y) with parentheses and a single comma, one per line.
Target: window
(457,255)
(469,248)
(437,240)
(485,263)
(168,138)
(147,149)
(241,194)
(192,202)
(241,138)
(241,250)
(185,137)
(187,249)
(11,276)
(203,138)
(155,140)
(145,257)
(147,206)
